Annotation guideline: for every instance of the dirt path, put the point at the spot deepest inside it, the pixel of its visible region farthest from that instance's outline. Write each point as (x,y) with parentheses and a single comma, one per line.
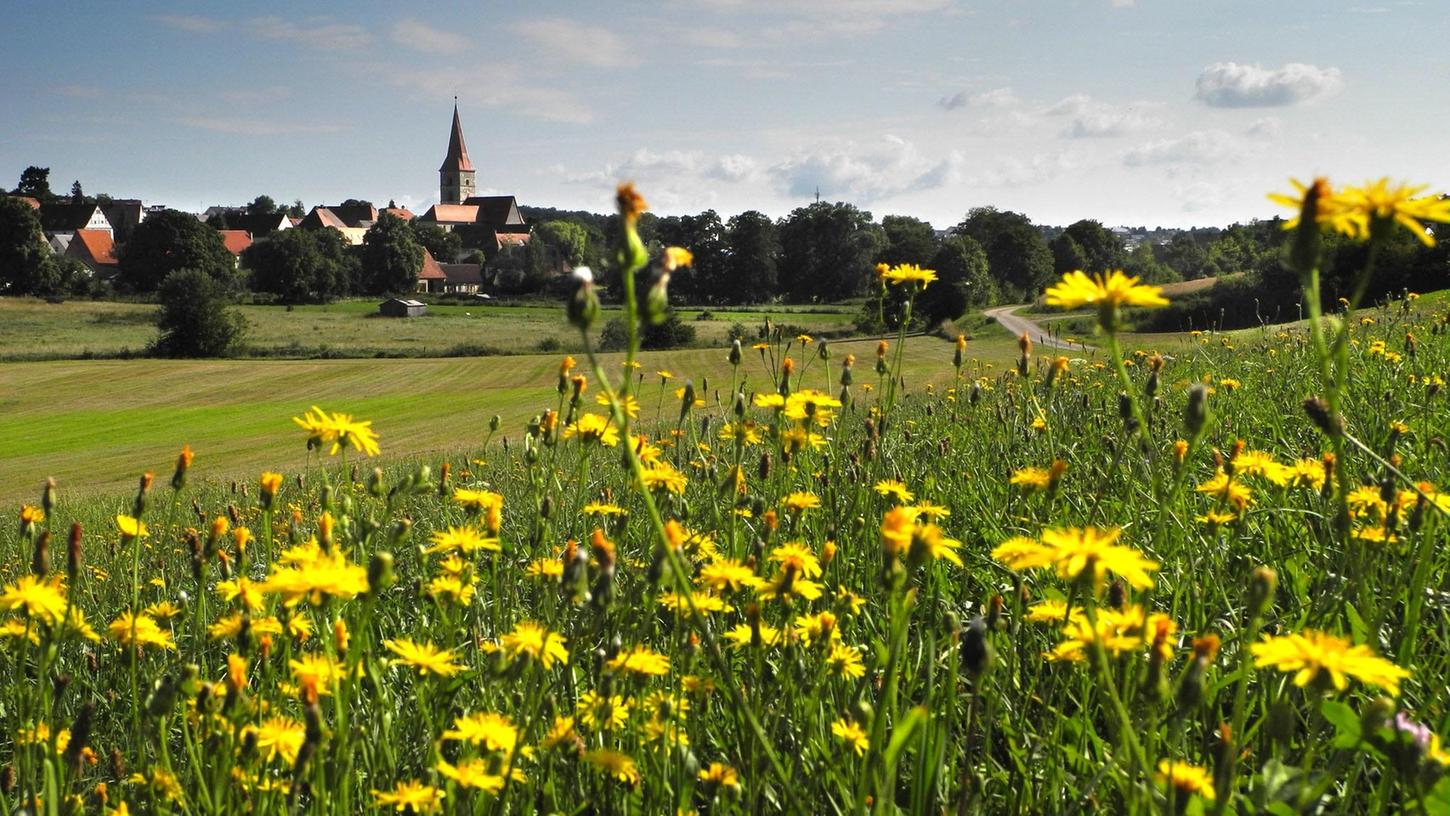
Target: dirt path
(1017,325)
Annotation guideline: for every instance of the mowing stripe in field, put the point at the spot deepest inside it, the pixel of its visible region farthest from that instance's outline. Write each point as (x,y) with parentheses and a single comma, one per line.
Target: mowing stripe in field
(96,425)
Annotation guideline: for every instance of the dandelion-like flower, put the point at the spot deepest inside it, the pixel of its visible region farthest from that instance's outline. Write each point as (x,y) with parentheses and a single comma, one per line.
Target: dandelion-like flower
(410,796)
(853,735)
(138,631)
(533,641)
(1185,778)
(1074,552)
(494,732)
(1313,656)
(425,657)
(1077,290)
(614,764)
(38,598)
(640,660)
(907,273)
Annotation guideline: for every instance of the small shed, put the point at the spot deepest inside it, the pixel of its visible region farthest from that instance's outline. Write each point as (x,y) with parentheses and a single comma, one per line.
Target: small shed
(400,307)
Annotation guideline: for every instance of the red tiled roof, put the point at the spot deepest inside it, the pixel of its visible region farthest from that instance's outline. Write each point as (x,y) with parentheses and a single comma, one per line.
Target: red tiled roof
(431,270)
(452,213)
(236,240)
(33,202)
(457,158)
(401,212)
(94,247)
(512,238)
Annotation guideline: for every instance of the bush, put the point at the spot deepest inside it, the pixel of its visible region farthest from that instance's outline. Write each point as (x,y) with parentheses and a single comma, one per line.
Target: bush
(705,314)
(614,336)
(672,333)
(549,345)
(195,318)
(737,331)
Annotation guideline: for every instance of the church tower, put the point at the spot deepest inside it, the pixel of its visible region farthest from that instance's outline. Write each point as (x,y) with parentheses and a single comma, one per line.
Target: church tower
(455,177)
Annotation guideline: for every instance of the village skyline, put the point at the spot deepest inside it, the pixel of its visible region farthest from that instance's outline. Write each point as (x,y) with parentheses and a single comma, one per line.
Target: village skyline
(925,108)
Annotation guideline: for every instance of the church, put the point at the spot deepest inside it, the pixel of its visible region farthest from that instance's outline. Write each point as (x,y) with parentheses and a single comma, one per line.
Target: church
(489,223)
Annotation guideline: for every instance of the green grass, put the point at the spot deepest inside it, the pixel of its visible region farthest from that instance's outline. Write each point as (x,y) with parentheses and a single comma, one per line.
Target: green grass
(35,329)
(102,422)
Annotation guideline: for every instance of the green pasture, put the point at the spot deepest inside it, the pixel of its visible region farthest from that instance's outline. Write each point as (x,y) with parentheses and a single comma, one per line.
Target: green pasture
(99,423)
(34,329)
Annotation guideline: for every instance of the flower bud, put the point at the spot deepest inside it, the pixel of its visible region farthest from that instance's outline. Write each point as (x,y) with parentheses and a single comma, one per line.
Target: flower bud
(1262,586)
(1195,414)
(978,654)
(583,306)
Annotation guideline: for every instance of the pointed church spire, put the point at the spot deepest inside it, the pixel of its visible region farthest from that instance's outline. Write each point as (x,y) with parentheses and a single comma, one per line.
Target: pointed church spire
(457,158)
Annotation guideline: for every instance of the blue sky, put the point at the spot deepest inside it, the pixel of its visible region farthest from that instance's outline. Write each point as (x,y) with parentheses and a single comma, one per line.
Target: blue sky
(1171,112)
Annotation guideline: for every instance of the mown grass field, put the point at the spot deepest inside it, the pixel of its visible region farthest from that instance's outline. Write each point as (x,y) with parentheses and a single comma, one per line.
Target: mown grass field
(96,424)
(34,329)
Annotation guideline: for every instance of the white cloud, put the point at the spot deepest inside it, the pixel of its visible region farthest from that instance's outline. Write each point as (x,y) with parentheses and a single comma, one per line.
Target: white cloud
(1265,129)
(190,23)
(1238,85)
(995,98)
(1197,147)
(315,32)
(1092,120)
(420,36)
(890,168)
(1198,196)
(734,168)
(561,38)
(1014,171)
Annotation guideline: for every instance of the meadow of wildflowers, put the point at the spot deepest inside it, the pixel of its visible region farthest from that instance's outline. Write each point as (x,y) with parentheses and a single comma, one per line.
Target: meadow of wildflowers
(1209,579)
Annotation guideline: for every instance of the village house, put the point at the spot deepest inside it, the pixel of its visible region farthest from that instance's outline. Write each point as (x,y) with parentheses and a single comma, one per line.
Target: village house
(95,249)
(125,214)
(66,217)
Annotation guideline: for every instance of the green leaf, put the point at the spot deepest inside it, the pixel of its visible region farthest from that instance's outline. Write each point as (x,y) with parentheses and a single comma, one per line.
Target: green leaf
(1345,722)
(913,719)
(1357,627)
(1437,802)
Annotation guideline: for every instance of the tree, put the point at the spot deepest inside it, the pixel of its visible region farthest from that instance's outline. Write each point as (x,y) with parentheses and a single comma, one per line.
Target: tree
(962,281)
(1187,257)
(297,209)
(1017,256)
(1101,249)
(828,251)
(391,257)
(77,195)
(299,266)
(27,266)
(195,319)
(1067,255)
(1144,263)
(908,240)
(171,240)
(443,245)
(262,205)
(35,182)
(751,246)
(704,235)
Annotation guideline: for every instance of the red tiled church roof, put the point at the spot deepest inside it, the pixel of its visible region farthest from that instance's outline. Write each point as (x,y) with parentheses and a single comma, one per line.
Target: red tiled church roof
(457,158)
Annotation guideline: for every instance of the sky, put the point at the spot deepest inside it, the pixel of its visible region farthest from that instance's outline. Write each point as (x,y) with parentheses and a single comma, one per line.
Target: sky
(1134,112)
